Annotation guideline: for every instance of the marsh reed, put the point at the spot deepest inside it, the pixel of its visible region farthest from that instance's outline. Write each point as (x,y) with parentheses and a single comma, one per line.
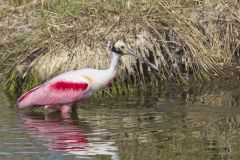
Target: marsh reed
(188,40)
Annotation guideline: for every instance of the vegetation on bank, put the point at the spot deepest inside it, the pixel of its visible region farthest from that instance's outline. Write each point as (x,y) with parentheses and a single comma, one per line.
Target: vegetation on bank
(188,40)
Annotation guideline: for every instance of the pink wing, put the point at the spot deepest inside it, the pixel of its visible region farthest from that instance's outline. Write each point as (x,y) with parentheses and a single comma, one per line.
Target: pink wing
(59,92)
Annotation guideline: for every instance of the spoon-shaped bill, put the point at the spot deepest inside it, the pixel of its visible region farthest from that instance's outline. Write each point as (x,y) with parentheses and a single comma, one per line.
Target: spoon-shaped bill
(153,66)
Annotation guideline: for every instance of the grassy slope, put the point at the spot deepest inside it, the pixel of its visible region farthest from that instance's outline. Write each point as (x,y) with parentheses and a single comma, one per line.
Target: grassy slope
(198,39)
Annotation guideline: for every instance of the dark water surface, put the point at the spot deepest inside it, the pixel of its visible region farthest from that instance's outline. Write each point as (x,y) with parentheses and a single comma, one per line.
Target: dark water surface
(136,128)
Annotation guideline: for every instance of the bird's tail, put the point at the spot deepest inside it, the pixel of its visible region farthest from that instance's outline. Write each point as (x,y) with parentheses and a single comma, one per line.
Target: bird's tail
(25,100)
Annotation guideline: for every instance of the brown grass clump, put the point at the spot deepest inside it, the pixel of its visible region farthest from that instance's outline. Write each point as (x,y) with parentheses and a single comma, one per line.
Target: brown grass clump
(187,39)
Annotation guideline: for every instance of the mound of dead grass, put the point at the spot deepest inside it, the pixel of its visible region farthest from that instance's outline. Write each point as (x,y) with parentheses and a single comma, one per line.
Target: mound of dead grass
(196,40)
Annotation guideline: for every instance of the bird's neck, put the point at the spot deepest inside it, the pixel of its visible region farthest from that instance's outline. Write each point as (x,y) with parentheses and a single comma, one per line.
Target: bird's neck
(106,76)
(114,61)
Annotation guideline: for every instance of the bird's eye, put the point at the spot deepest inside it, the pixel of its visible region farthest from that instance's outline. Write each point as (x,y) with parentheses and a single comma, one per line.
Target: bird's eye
(122,47)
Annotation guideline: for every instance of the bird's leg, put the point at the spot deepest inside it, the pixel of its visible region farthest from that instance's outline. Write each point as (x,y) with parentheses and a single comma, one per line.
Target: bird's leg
(74,107)
(65,108)
(46,107)
(49,107)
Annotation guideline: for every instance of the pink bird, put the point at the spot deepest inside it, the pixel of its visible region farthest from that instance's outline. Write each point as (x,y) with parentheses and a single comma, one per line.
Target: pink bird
(66,89)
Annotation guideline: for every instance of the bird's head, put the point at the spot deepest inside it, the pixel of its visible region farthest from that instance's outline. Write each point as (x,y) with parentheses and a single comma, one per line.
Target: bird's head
(121,49)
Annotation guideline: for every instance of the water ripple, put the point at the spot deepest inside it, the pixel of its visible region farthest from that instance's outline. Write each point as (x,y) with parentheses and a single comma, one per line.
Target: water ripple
(131,128)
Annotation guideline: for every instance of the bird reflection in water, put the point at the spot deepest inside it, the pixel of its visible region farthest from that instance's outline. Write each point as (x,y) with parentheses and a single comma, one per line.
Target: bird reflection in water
(67,133)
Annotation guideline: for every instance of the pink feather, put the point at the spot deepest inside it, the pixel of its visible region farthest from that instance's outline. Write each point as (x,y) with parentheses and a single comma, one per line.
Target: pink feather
(58,93)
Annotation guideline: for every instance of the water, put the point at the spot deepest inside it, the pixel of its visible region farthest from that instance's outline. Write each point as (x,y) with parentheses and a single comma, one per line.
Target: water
(131,127)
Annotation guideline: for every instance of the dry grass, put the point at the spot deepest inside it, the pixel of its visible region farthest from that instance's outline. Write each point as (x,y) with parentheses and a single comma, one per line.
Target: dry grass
(187,39)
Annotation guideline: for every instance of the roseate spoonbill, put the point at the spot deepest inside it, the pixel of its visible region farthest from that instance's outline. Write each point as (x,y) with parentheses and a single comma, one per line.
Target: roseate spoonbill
(66,89)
